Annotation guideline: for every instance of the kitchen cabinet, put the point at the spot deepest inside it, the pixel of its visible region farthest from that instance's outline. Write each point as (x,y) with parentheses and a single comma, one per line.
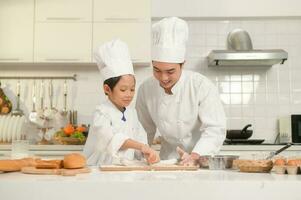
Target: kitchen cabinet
(121,10)
(136,35)
(67,31)
(63,42)
(63,10)
(16,35)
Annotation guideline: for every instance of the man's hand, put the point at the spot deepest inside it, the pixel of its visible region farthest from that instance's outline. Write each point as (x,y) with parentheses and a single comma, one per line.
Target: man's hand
(150,154)
(188,159)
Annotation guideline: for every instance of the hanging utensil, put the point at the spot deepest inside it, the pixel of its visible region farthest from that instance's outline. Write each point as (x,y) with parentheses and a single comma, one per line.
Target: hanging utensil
(75,117)
(33,115)
(64,111)
(61,117)
(273,153)
(50,112)
(18,111)
(42,94)
(71,117)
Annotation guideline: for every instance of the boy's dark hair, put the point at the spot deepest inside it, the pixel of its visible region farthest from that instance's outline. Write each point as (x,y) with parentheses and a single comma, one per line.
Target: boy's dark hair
(112,82)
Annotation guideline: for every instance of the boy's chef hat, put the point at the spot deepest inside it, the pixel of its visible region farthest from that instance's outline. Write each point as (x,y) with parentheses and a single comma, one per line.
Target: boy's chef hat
(113,59)
(169,37)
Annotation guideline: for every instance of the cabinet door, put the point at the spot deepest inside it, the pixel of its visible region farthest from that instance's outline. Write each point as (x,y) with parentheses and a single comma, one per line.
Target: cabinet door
(136,35)
(121,10)
(16,30)
(63,42)
(63,10)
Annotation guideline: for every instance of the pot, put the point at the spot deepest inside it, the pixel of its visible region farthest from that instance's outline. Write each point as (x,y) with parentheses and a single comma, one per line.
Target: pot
(240,134)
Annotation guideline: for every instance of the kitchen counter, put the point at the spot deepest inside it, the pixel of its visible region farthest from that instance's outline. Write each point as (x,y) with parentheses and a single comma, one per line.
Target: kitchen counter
(201,184)
(261,147)
(56,151)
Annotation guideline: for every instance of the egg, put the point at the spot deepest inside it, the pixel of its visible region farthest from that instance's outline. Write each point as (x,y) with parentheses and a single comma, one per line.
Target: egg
(292,162)
(280,162)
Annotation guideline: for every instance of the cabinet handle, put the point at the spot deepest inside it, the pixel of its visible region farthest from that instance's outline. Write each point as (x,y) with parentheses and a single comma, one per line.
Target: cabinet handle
(10,59)
(122,19)
(63,18)
(62,59)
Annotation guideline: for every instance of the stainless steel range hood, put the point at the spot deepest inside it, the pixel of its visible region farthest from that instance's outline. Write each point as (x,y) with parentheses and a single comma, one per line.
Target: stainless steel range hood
(241,53)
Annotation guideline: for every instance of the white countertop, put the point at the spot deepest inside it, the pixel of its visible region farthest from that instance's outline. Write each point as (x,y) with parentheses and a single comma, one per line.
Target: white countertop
(202,184)
(267,147)
(58,151)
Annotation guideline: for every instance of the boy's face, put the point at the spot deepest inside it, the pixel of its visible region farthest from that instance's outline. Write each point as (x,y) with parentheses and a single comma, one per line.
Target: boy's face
(123,92)
(167,73)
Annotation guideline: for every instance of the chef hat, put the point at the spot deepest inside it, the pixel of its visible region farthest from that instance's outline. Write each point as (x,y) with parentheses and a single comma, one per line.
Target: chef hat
(113,59)
(169,37)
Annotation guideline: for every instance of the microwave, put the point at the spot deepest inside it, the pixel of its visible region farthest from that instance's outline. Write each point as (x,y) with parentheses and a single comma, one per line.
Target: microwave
(290,129)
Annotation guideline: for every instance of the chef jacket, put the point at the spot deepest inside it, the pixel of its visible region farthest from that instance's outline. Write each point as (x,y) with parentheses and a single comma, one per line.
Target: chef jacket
(111,128)
(192,117)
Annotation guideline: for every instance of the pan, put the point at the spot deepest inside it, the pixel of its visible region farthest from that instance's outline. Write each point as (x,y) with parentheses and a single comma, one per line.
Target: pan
(240,134)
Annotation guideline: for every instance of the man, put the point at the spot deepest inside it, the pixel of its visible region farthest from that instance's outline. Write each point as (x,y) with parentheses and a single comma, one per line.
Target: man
(183,105)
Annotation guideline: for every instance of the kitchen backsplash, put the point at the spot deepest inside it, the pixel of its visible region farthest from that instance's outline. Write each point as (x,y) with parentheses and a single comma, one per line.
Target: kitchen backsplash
(254,95)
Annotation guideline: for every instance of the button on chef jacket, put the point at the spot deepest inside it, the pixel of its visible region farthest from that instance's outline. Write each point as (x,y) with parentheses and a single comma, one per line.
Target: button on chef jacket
(192,117)
(111,128)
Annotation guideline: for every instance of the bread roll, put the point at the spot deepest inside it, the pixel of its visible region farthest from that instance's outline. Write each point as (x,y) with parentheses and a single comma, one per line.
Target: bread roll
(16,165)
(74,161)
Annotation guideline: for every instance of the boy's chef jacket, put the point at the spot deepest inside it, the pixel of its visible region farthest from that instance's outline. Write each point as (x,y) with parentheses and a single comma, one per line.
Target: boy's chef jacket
(109,132)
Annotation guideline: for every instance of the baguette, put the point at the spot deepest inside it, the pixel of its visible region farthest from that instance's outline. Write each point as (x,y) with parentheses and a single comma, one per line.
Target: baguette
(16,165)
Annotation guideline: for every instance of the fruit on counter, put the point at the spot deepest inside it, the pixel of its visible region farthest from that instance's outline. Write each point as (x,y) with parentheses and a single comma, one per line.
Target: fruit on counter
(81,128)
(70,135)
(79,135)
(5,103)
(280,162)
(69,129)
(74,161)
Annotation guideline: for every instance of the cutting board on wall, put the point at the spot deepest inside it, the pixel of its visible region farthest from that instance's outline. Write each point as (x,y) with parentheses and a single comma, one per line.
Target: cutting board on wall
(63,172)
(148,168)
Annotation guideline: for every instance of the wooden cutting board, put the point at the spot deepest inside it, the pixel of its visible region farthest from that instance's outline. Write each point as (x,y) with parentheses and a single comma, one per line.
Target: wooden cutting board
(63,172)
(148,168)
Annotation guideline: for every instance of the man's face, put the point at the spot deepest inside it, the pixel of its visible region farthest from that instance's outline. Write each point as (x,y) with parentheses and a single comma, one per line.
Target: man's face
(167,73)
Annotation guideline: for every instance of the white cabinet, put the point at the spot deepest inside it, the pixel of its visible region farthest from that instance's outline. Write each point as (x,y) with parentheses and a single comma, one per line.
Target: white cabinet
(136,35)
(63,42)
(63,10)
(121,10)
(69,30)
(16,30)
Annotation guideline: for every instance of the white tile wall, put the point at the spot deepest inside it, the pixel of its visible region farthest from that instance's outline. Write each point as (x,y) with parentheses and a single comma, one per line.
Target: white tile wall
(250,95)
(253,95)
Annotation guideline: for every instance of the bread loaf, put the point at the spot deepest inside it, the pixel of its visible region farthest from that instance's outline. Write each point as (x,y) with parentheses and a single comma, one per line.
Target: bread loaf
(16,165)
(74,161)
(49,164)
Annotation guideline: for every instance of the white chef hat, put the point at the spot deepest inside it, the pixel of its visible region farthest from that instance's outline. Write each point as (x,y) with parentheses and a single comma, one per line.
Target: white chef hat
(113,59)
(169,37)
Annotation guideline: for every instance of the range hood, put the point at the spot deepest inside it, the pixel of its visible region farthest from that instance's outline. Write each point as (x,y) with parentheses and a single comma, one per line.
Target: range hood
(240,53)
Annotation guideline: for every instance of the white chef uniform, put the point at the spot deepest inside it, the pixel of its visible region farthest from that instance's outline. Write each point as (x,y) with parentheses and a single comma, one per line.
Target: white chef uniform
(111,127)
(192,117)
